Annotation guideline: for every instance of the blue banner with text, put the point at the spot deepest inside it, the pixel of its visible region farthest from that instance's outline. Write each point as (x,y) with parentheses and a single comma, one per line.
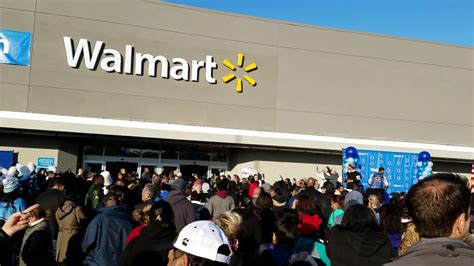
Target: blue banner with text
(400,168)
(15,47)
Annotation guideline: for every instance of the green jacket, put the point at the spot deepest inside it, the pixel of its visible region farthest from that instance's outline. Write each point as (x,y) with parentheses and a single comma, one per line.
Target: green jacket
(94,196)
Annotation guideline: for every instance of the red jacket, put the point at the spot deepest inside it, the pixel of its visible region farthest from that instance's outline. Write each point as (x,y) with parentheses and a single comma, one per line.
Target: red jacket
(309,225)
(134,233)
(252,187)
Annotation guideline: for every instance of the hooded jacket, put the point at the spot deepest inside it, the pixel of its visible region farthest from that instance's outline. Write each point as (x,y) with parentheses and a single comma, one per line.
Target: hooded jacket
(183,209)
(106,236)
(437,251)
(220,203)
(151,247)
(358,248)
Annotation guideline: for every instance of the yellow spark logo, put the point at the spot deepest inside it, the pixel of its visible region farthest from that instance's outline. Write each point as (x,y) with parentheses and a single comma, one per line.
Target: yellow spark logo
(240,62)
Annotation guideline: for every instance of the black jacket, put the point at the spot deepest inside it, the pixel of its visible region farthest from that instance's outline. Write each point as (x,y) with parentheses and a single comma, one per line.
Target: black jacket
(358,248)
(151,247)
(183,209)
(50,200)
(322,201)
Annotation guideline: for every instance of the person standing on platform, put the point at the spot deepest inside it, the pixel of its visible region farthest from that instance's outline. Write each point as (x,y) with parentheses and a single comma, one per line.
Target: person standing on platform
(378,184)
(353,176)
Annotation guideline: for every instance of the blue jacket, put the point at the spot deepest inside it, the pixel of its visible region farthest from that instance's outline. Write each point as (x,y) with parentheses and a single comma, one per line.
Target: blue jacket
(7,209)
(106,236)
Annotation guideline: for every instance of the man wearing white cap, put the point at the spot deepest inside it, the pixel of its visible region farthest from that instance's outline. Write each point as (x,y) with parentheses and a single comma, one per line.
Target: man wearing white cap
(201,243)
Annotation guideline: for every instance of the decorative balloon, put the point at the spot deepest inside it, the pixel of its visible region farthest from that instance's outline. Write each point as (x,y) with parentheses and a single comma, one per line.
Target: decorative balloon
(351,152)
(424,167)
(352,158)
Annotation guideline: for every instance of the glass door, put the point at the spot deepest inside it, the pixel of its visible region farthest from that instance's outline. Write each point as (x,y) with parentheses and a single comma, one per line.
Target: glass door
(94,166)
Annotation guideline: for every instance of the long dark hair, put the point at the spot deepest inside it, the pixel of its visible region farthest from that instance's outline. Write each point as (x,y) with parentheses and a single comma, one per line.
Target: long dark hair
(359,218)
(390,218)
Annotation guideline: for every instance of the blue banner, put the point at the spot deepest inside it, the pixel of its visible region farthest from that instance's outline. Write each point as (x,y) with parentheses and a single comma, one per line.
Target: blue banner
(400,168)
(6,159)
(15,47)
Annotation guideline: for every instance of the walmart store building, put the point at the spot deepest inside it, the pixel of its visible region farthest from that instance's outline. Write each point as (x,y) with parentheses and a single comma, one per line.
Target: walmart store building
(143,83)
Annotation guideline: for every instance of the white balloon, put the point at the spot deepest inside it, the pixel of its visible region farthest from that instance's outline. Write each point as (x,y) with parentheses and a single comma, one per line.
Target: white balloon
(418,164)
(350,160)
(430,164)
(428,169)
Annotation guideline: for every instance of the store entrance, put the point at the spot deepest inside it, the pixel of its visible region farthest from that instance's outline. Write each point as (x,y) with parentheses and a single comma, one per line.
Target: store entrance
(114,168)
(188,170)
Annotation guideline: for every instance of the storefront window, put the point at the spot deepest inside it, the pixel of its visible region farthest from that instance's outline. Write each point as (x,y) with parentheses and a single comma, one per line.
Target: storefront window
(113,150)
(94,150)
(169,152)
(194,154)
(150,154)
(219,155)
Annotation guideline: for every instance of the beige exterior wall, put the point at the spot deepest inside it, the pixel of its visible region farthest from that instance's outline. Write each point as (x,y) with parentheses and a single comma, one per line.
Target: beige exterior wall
(310,80)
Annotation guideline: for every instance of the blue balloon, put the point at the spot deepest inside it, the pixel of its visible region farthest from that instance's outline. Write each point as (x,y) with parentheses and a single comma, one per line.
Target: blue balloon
(356,160)
(424,156)
(351,152)
(424,164)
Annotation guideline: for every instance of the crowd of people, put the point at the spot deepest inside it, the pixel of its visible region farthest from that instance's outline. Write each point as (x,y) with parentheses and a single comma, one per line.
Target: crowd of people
(84,218)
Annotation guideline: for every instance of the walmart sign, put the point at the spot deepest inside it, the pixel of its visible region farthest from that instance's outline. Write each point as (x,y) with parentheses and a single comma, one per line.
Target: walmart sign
(15,47)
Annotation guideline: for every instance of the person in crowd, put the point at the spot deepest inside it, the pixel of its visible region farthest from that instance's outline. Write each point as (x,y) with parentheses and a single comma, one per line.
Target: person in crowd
(439,207)
(106,235)
(221,202)
(95,194)
(374,204)
(279,201)
(108,181)
(358,240)
(146,175)
(409,238)
(164,193)
(37,244)
(155,240)
(253,185)
(121,193)
(309,221)
(183,209)
(142,218)
(11,201)
(339,189)
(263,211)
(337,206)
(201,243)
(331,175)
(256,193)
(122,174)
(353,176)
(282,252)
(71,220)
(230,223)
(322,203)
(351,198)
(148,194)
(390,222)
(198,201)
(50,201)
(14,224)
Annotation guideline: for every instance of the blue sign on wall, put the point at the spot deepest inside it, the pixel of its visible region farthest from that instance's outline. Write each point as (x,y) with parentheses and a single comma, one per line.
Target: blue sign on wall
(44,162)
(6,159)
(15,47)
(400,168)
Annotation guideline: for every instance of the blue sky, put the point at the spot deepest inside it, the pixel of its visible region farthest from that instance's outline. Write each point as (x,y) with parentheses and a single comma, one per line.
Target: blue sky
(444,21)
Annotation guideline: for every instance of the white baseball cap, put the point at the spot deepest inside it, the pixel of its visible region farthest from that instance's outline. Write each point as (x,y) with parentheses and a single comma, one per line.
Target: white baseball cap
(204,239)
